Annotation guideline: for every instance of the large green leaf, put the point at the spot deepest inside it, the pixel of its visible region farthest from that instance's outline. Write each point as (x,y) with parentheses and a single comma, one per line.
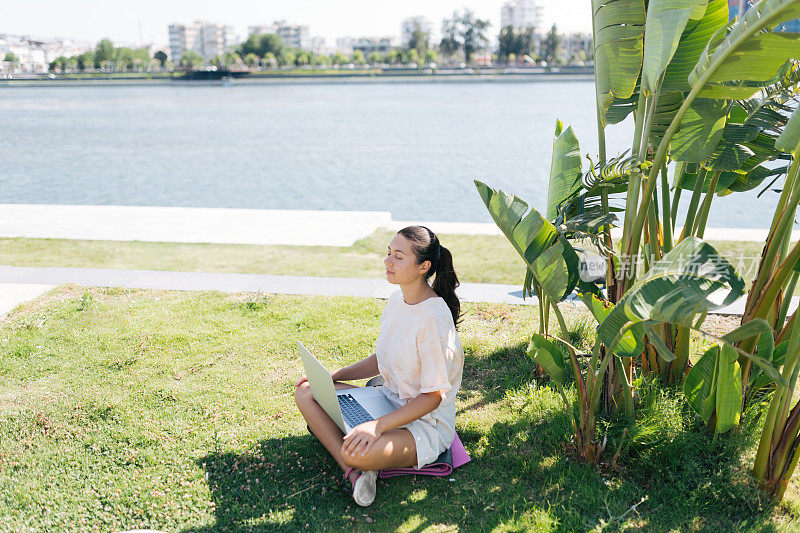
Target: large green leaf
(692,278)
(789,141)
(565,169)
(700,130)
(618,48)
(746,52)
(738,182)
(691,45)
(550,258)
(728,395)
(759,379)
(666,108)
(689,179)
(732,153)
(548,356)
(759,58)
(699,384)
(620,108)
(714,386)
(632,343)
(666,20)
(557,270)
(727,92)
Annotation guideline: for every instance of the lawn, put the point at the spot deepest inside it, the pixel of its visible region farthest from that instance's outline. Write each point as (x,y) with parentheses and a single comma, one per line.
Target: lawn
(124,409)
(477,258)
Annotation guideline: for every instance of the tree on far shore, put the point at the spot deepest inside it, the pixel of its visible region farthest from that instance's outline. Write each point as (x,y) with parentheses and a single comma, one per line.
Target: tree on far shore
(449,44)
(251,60)
(261,44)
(463,31)
(161,57)
(419,40)
(473,33)
(104,51)
(515,42)
(86,61)
(358,57)
(192,60)
(550,46)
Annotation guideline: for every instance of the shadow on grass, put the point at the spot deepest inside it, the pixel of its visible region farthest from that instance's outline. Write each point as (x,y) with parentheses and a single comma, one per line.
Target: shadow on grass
(520,478)
(491,377)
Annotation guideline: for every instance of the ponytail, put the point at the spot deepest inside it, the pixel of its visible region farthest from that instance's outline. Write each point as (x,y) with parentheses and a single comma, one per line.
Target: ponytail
(427,248)
(445,283)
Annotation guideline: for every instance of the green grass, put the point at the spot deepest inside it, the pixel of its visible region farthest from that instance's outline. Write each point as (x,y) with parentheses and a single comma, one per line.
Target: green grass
(124,409)
(477,258)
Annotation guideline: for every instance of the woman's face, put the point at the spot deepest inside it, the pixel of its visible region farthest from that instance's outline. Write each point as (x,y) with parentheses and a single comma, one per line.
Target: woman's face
(401,263)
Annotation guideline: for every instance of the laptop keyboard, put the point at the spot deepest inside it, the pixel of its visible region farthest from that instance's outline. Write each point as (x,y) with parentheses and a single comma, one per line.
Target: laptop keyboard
(352,411)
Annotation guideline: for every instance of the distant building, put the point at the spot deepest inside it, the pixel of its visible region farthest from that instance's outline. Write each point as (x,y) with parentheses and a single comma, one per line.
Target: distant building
(294,35)
(737,8)
(318,45)
(36,54)
(262,29)
(521,14)
(367,45)
(409,25)
(205,38)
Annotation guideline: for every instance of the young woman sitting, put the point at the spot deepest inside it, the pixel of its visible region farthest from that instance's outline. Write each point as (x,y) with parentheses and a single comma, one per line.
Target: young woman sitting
(420,357)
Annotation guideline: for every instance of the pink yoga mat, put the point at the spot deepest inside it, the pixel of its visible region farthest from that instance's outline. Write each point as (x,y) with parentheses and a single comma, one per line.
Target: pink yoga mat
(450,459)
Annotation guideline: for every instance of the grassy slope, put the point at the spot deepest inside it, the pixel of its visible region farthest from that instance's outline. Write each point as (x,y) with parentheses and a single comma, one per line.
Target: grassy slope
(125,409)
(478,259)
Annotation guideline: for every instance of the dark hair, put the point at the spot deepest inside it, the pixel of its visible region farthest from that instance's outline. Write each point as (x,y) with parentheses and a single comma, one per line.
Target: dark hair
(426,247)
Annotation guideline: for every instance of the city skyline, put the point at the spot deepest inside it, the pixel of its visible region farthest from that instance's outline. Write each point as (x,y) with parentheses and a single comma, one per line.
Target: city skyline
(147,23)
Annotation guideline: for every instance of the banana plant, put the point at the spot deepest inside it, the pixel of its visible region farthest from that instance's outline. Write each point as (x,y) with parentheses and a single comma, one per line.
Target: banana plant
(717,123)
(709,101)
(779,446)
(689,280)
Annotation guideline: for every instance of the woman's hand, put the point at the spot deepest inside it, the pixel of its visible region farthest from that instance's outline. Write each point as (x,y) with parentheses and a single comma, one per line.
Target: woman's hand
(300,381)
(361,438)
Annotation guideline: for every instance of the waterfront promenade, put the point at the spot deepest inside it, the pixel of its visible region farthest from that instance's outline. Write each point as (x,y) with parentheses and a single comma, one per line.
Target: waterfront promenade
(234,226)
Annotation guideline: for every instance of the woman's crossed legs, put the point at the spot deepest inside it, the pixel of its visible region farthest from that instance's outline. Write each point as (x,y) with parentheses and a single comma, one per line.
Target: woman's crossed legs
(394,449)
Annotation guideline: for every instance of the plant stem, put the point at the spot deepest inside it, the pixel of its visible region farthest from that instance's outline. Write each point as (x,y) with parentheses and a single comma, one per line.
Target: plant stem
(681,353)
(767,442)
(680,169)
(700,224)
(665,210)
(693,203)
(787,301)
(781,225)
(627,393)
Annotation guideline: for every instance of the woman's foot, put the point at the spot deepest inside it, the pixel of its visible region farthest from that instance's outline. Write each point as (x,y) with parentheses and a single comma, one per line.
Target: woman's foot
(364,485)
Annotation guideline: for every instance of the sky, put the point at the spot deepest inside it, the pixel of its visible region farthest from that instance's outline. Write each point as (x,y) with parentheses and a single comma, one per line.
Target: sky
(146,21)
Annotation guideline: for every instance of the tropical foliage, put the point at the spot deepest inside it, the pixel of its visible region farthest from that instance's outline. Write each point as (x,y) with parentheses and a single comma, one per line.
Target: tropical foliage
(712,105)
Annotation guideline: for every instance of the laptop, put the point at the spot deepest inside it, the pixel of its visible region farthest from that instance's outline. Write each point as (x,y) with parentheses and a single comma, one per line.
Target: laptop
(348,407)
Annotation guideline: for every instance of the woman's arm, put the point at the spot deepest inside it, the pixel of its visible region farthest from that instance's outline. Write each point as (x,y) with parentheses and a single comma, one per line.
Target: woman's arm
(361,437)
(366,368)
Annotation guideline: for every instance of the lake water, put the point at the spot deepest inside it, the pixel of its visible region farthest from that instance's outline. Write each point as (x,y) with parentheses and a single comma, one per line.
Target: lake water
(410,148)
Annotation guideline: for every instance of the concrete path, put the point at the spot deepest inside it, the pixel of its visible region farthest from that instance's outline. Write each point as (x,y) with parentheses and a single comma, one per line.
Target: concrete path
(203,281)
(239,226)
(33,279)
(13,294)
(189,224)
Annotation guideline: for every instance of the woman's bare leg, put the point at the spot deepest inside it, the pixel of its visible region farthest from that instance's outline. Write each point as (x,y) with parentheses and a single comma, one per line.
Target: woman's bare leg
(394,449)
(322,426)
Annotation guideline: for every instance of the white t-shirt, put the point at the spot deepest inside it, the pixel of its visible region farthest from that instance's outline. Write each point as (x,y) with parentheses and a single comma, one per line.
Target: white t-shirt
(418,349)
